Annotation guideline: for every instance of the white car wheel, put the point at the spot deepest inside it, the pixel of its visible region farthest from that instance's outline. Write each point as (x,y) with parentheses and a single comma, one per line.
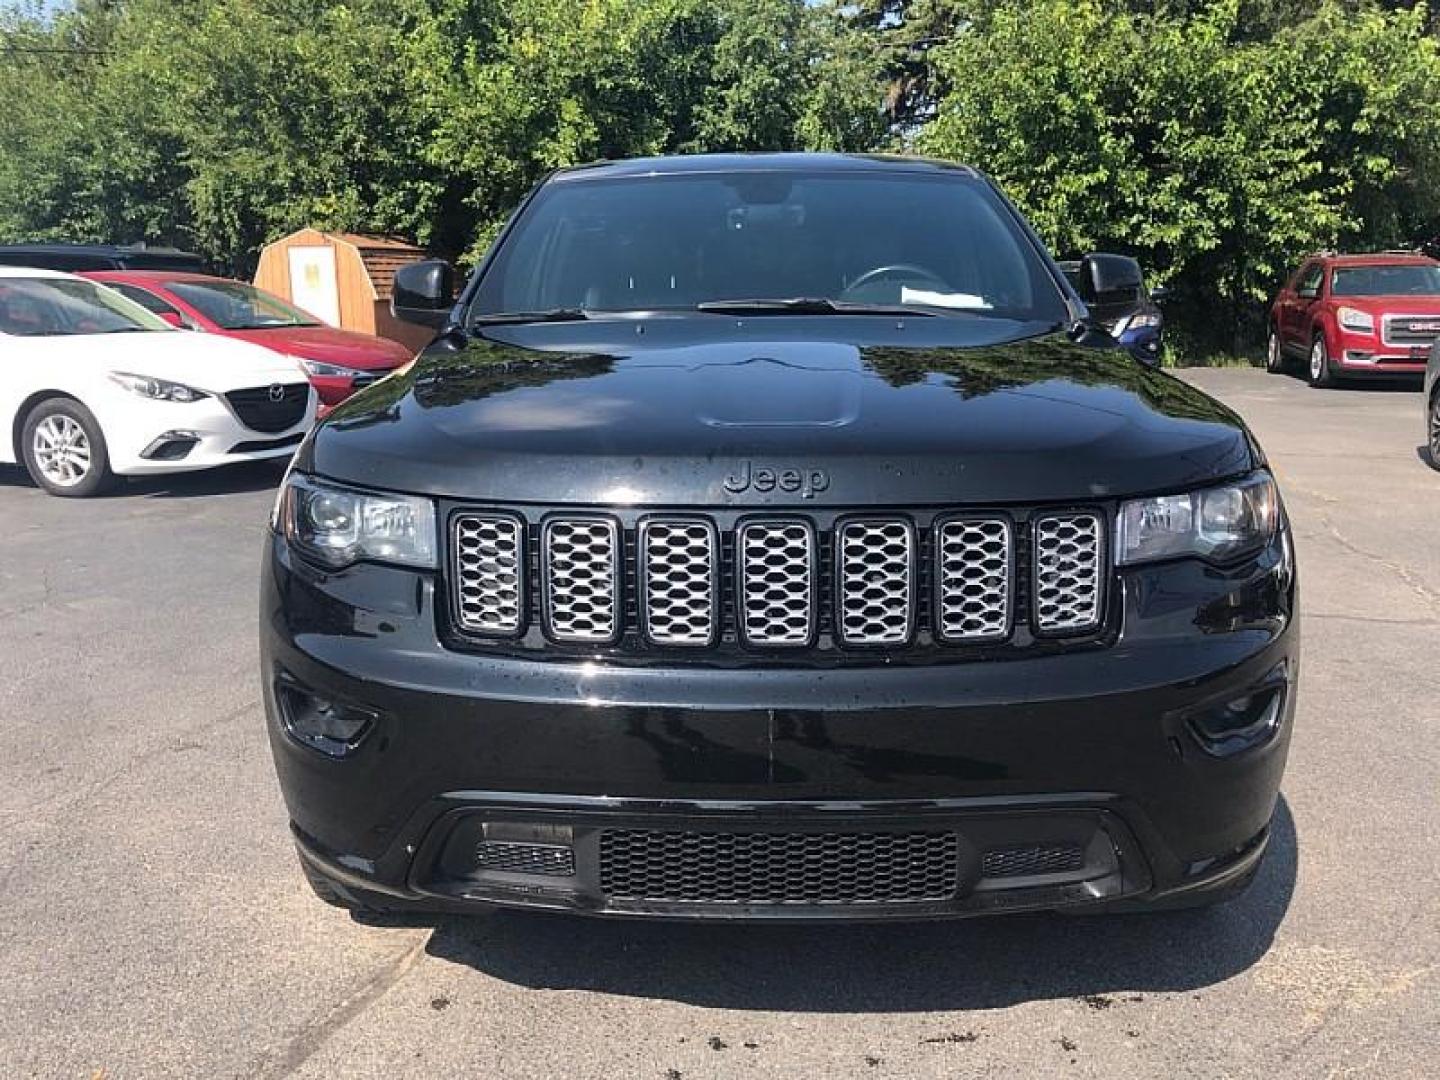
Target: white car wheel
(65,450)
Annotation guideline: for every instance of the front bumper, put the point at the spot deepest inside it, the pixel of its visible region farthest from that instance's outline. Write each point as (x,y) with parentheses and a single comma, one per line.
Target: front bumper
(1096,751)
(142,435)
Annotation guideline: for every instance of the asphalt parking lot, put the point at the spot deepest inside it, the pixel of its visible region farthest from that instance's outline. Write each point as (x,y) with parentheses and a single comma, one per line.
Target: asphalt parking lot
(153,921)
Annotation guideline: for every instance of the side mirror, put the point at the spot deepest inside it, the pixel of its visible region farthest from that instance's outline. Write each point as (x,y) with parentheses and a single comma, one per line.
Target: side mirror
(1159,294)
(1108,278)
(424,292)
(174,318)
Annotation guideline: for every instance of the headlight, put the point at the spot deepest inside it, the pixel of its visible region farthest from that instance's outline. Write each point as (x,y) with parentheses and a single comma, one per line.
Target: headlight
(1362,322)
(1136,322)
(327,371)
(156,389)
(1216,523)
(338,525)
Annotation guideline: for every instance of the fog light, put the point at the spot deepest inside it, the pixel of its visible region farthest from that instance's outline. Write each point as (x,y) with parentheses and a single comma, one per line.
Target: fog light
(1359,356)
(320,723)
(1241,723)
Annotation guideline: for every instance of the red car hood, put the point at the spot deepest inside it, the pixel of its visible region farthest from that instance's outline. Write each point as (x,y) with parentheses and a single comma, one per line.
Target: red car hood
(1393,305)
(325,343)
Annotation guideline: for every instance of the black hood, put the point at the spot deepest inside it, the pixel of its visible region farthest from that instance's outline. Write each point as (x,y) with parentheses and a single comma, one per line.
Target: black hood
(839,411)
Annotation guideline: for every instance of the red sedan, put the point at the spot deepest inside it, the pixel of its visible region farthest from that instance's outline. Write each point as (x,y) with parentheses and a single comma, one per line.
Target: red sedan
(1351,315)
(338,362)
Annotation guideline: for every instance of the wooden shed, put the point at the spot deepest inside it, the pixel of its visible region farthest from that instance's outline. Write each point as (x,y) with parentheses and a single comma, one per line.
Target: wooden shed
(343,279)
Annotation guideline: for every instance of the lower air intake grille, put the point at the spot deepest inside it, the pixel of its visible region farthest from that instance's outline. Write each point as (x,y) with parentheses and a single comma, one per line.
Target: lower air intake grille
(1039,859)
(1069,571)
(508,857)
(778,868)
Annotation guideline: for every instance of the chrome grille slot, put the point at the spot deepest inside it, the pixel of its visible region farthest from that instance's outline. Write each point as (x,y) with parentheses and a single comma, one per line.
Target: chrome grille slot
(1069,572)
(874,573)
(489,579)
(973,579)
(580,571)
(678,578)
(777,573)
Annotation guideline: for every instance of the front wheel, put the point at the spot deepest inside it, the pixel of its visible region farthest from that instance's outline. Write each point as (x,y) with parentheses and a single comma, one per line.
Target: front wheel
(1274,354)
(64,449)
(1435,429)
(1320,374)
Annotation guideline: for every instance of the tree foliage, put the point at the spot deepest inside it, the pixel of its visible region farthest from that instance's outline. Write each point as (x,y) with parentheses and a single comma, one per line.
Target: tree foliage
(1218,140)
(1215,151)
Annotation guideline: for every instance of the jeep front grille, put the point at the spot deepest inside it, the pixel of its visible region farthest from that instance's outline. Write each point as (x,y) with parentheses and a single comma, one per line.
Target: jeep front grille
(897,582)
(1069,572)
(679,575)
(777,582)
(797,868)
(875,574)
(973,569)
(581,578)
(489,572)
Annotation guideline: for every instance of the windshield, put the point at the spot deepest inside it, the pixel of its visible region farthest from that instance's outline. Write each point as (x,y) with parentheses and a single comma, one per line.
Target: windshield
(945,244)
(56,307)
(233,305)
(1404,280)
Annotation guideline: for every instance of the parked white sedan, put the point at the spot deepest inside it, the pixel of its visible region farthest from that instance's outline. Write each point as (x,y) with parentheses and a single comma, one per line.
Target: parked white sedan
(92,385)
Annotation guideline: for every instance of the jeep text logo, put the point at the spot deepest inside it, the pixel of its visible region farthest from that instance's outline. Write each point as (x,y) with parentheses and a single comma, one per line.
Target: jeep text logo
(808,482)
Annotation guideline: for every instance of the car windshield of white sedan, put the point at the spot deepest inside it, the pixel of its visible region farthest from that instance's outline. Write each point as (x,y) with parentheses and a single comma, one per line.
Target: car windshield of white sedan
(842,242)
(1403,280)
(62,307)
(233,305)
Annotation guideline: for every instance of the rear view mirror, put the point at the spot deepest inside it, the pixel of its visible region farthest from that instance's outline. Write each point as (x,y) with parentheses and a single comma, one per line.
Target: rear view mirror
(1106,278)
(424,292)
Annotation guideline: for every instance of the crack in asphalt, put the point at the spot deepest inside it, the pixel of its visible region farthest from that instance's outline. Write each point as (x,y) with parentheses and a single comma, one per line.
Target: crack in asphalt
(288,1059)
(10,818)
(1407,577)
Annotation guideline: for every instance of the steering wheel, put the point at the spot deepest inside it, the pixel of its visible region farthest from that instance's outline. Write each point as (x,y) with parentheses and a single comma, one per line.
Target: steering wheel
(905,271)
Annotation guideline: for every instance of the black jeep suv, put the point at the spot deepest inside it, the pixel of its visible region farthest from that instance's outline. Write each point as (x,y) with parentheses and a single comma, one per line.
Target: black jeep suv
(776,537)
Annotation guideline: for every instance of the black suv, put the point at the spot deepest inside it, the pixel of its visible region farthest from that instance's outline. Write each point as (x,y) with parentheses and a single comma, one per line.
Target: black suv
(777,537)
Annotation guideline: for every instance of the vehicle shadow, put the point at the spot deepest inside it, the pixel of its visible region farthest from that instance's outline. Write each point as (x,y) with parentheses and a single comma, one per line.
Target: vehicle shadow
(1378,384)
(225,480)
(966,964)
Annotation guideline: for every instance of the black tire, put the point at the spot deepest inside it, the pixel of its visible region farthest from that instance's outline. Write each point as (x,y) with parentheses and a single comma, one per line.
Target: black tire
(1433,434)
(1275,359)
(82,467)
(1318,364)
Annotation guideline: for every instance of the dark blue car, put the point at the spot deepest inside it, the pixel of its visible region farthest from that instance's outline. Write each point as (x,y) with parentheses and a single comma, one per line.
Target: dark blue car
(1133,318)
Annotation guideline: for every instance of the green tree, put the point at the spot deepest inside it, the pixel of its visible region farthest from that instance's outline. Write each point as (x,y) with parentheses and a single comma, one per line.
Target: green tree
(1217,160)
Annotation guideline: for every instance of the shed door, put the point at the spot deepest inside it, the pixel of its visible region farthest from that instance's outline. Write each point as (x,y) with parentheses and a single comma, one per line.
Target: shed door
(313,285)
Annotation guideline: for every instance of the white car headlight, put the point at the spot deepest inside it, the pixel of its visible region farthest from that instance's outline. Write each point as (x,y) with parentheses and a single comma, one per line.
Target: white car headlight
(1362,322)
(338,525)
(156,389)
(1216,523)
(1135,322)
(327,371)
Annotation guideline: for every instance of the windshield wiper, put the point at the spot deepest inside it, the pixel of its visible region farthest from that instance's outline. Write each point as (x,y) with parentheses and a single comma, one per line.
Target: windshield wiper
(807,305)
(559,314)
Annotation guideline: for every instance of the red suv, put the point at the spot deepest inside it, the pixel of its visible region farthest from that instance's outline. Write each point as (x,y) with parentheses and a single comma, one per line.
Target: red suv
(337,362)
(1351,315)
(1355,316)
